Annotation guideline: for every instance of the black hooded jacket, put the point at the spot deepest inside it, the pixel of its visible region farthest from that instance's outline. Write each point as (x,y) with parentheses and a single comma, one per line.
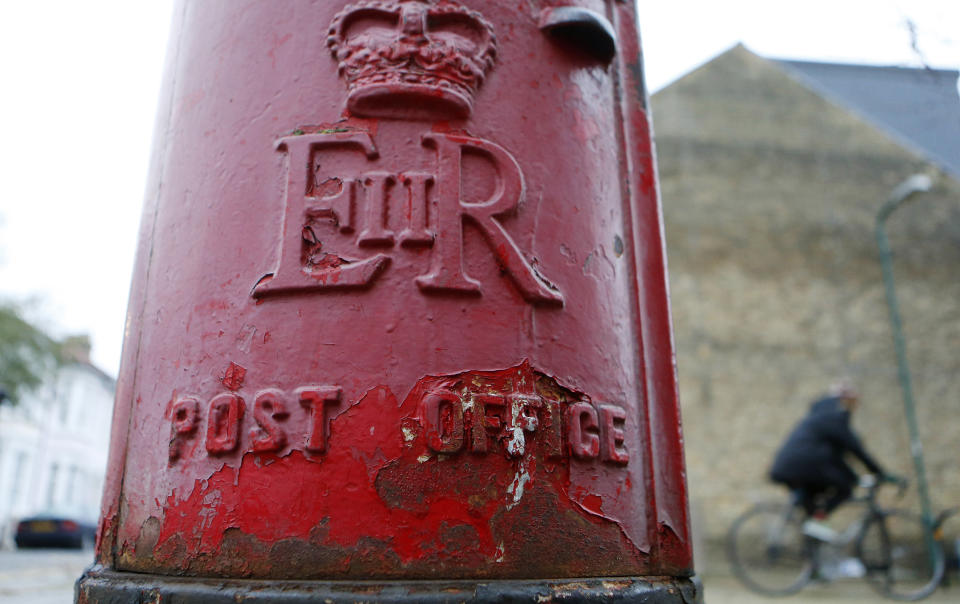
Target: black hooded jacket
(817,445)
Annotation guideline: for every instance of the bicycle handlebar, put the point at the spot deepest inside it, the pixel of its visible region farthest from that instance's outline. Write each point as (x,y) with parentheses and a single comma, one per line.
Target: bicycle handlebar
(901,482)
(872,483)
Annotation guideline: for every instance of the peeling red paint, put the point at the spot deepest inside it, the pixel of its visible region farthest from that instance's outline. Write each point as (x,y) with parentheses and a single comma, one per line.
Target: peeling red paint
(385,464)
(233,377)
(592,504)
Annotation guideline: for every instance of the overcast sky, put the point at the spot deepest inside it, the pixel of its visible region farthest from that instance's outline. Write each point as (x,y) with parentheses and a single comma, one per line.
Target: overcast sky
(81,78)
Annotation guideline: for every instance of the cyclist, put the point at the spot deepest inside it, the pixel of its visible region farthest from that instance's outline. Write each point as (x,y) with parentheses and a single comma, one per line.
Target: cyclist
(811,461)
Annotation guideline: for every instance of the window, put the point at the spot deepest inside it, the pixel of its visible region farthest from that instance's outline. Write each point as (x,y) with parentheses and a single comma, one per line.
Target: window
(71,495)
(52,485)
(64,404)
(18,469)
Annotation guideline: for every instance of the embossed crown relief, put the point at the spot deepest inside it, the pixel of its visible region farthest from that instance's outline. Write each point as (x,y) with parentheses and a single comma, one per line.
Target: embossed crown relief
(416,61)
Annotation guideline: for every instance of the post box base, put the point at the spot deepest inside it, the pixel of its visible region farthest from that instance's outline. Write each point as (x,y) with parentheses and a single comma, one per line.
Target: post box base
(102,586)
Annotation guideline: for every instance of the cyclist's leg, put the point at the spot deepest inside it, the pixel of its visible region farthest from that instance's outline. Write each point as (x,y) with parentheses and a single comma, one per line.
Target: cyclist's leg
(839,479)
(805,497)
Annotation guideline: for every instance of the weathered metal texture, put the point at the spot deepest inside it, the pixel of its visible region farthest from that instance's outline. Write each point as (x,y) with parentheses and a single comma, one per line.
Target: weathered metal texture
(107,587)
(400,305)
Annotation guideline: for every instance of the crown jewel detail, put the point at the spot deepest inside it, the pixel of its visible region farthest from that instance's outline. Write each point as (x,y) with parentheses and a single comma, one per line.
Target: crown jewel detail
(410,57)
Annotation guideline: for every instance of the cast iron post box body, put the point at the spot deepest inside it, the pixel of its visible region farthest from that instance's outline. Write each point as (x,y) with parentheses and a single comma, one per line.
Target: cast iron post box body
(400,308)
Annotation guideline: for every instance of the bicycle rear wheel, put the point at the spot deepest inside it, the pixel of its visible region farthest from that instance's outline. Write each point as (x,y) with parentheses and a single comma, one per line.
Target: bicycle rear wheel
(895,554)
(768,550)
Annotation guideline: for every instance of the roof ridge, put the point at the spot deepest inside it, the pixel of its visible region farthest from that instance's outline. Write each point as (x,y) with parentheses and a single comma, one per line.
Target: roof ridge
(868,66)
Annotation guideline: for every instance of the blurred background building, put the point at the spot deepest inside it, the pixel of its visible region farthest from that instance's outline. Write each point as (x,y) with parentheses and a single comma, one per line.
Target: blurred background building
(772,173)
(53,443)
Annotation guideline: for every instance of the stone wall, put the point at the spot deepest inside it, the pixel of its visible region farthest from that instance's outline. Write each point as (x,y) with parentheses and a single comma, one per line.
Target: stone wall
(770,194)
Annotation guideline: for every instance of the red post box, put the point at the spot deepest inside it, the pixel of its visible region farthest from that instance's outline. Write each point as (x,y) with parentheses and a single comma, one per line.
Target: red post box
(399,326)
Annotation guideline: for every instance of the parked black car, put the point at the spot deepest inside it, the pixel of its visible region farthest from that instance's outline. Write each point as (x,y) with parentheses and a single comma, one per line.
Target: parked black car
(55,530)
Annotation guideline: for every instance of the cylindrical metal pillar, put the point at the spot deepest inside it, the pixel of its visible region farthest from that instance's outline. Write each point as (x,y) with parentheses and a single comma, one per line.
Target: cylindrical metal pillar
(399,322)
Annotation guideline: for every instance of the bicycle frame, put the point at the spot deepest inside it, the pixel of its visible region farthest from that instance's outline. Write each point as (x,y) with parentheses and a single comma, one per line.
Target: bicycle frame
(851,532)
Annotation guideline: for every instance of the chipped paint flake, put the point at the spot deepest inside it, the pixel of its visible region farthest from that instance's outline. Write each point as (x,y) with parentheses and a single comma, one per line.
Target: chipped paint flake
(515,490)
(515,445)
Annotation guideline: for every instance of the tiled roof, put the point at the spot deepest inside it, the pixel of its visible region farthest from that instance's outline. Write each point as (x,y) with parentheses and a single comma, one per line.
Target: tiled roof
(920,107)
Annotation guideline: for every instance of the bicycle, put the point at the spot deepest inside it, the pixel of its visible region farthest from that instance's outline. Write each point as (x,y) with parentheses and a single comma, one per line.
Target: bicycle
(775,549)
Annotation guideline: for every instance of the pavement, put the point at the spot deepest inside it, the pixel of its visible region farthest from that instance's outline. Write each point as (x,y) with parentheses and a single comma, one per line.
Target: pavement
(720,586)
(47,577)
(724,589)
(42,576)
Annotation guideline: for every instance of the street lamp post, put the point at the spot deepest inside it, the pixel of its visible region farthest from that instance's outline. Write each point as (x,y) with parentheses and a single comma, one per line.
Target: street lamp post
(918,183)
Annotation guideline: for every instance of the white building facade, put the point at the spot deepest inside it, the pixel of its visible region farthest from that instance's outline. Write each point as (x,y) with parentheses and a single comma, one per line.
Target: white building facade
(53,447)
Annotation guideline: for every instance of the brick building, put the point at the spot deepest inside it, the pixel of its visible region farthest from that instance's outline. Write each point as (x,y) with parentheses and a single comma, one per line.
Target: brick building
(772,173)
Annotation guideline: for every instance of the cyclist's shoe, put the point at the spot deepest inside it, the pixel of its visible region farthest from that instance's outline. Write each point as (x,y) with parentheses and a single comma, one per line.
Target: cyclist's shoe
(851,567)
(841,568)
(819,531)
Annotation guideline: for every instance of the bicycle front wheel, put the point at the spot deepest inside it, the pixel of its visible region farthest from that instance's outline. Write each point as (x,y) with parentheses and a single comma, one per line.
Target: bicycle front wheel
(768,550)
(900,563)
